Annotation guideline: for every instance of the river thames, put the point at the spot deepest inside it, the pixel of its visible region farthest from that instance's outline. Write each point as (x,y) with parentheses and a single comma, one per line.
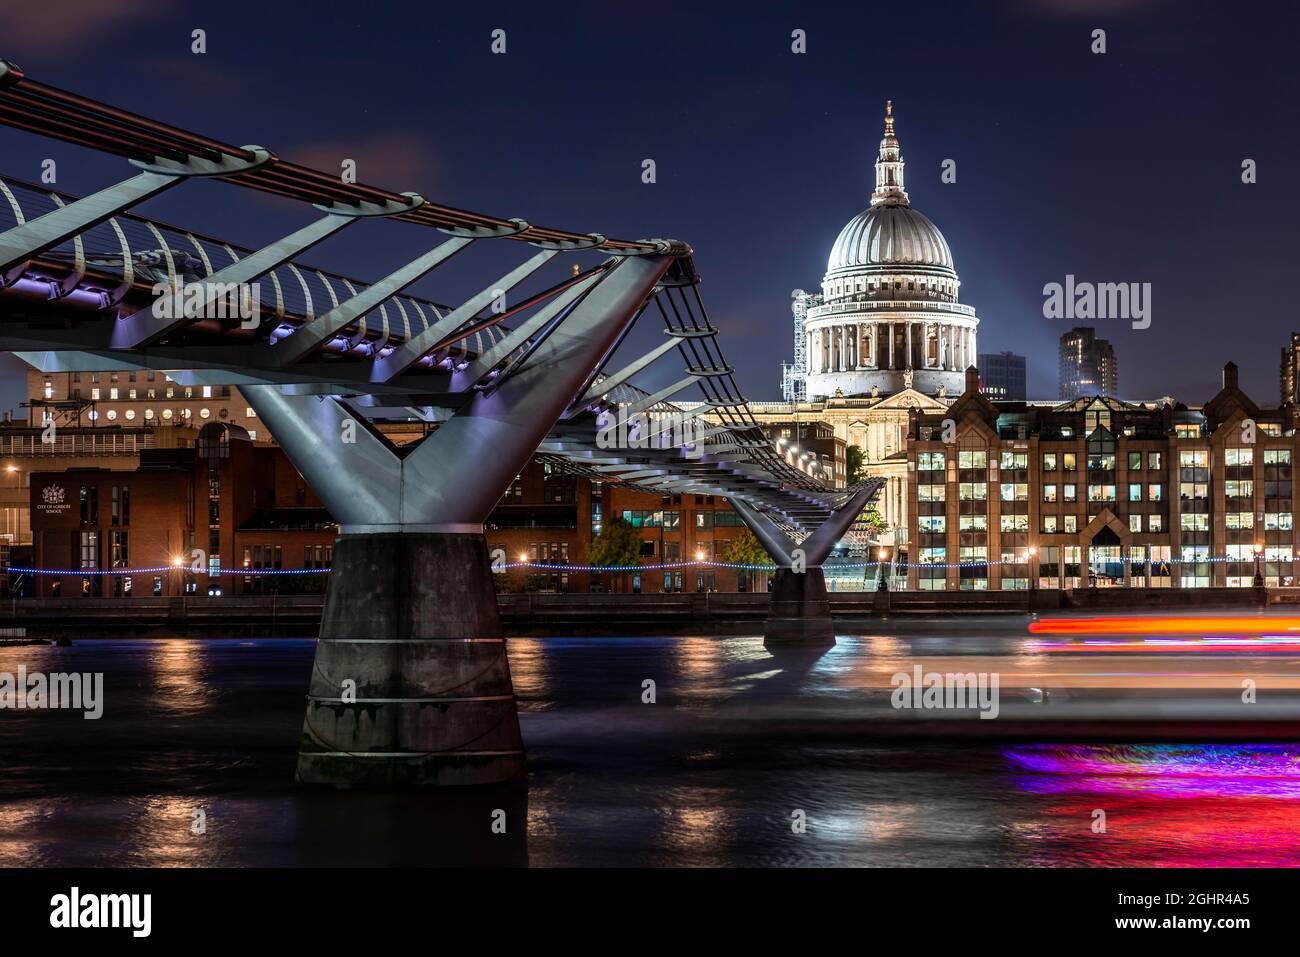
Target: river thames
(737,748)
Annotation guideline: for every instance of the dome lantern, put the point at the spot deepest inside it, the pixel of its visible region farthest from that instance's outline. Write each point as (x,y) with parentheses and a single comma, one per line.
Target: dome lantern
(889,166)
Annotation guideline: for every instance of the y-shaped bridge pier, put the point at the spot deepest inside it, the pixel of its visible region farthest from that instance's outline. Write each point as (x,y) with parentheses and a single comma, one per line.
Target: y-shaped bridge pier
(411,613)
(801,609)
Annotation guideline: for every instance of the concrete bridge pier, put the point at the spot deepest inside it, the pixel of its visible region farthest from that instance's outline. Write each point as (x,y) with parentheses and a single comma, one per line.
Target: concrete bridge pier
(800,610)
(411,682)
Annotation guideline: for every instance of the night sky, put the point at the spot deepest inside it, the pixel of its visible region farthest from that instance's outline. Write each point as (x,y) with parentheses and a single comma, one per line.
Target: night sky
(1122,167)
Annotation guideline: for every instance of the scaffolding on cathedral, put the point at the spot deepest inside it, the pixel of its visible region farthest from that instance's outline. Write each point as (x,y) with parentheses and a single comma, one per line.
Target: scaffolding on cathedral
(794,375)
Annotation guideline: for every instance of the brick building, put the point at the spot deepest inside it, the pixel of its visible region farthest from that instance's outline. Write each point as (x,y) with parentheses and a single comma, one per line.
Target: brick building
(136,399)
(24,450)
(1098,491)
(236,499)
(547,516)
(223,503)
(811,446)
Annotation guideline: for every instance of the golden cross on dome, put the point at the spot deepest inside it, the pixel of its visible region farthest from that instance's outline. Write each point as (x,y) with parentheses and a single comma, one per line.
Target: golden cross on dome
(889,117)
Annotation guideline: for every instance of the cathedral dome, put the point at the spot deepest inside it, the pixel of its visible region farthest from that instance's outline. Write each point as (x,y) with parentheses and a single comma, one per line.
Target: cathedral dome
(890,315)
(890,235)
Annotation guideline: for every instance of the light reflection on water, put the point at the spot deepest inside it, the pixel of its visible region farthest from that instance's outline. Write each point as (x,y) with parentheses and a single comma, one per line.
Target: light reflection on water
(710,774)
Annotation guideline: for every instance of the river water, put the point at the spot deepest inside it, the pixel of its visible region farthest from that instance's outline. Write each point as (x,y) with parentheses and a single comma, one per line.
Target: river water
(737,747)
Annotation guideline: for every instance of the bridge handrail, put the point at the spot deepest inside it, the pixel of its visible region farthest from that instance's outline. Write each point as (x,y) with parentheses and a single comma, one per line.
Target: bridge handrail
(38,107)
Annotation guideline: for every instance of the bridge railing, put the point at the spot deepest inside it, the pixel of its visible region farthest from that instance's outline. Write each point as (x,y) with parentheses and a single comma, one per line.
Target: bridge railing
(121,250)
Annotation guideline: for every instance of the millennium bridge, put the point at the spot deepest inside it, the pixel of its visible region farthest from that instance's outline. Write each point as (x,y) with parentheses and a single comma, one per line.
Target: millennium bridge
(411,683)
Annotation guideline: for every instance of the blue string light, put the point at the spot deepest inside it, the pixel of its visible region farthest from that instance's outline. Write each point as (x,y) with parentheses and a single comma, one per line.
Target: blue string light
(544,566)
(92,572)
(865,565)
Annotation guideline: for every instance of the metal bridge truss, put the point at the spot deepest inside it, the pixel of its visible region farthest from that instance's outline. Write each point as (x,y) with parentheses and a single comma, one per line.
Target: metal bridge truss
(79,278)
(410,616)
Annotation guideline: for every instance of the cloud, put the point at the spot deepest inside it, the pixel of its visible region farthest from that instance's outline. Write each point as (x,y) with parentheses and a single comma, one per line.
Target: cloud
(1075,8)
(185,73)
(396,161)
(44,27)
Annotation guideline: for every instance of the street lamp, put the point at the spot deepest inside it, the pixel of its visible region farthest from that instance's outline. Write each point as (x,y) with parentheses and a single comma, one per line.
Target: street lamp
(1259,578)
(1032,574)
(884,578)
(177,563)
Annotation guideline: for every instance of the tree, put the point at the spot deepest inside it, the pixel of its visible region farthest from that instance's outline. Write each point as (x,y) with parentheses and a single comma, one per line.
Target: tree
(853,462)
(744,549)
(873,521)
(617,546)
(875,525)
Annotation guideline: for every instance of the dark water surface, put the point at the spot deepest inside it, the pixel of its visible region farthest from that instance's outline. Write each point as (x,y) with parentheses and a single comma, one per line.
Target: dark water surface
(710,774)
